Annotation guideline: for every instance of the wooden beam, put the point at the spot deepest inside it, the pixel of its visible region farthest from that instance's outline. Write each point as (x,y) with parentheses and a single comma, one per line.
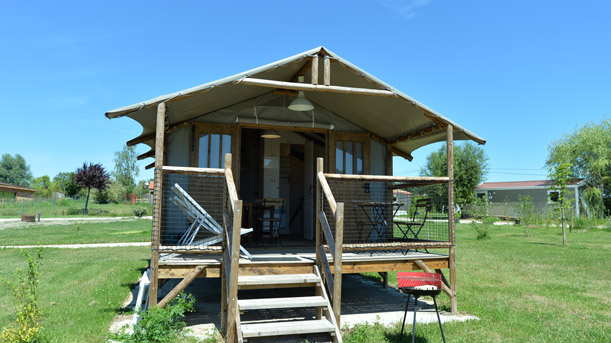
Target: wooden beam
(149,166)
(402,154)
(320,256)
(232,294)
(424,267)
(193,170)
(417,134)
(390,178)
(452,252)
(337,263)
(181,286)
(327,71)
(302,70)
(327,231)
(150,153)
(287,92)
(315,88)
(157,204)
(315,70)
(327,192)
(151,136)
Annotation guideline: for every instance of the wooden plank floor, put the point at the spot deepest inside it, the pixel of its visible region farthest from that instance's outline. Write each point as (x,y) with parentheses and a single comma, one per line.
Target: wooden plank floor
(299,260)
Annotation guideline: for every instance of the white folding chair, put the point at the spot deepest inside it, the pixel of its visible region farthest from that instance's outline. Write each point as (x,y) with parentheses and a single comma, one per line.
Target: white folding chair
(199,218)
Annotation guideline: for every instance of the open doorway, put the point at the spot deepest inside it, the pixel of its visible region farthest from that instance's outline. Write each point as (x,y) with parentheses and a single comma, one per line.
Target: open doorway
(280,168)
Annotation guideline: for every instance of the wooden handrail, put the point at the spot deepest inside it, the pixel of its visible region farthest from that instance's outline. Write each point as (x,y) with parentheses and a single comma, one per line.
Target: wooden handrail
(326,269)
(327,231)
(327,191)
(440,179)
(192,170)
(231,189)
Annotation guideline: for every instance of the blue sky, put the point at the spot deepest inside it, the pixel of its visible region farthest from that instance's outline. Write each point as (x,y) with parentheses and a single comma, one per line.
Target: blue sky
(518,73)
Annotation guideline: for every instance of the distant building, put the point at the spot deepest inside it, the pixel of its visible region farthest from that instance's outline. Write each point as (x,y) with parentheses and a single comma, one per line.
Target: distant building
(504,195)
(15,192)
(151,191)
(59,195)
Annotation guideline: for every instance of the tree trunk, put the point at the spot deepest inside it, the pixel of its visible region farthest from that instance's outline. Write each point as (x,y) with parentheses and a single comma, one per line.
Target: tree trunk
(89,191)
(563,226)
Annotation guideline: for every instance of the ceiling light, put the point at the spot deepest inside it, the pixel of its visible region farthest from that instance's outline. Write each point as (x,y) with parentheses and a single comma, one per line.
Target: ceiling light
(270,134)
(301,103)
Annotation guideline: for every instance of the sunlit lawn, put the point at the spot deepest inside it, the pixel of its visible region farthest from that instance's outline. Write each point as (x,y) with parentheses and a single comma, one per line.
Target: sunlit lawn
(80,290)
(523,289)
(124,230)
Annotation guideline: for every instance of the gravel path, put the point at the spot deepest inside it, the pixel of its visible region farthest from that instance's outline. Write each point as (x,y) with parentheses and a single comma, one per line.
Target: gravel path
(78,246)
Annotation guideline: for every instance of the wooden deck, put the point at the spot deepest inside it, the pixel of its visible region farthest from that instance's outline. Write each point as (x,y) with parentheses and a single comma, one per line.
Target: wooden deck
(296,261)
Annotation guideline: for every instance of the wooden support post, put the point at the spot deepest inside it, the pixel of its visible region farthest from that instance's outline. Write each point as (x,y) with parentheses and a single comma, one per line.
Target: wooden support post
(319,169)
(452,252)
(232,310)
(181,286)
(157,204)
(327,71)
(426,268)
(315,70)
(337,262)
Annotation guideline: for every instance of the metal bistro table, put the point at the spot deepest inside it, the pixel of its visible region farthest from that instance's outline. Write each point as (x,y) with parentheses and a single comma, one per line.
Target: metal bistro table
(376,214)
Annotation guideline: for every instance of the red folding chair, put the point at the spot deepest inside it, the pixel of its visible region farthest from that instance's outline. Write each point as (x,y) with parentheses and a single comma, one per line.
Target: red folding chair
(419,284)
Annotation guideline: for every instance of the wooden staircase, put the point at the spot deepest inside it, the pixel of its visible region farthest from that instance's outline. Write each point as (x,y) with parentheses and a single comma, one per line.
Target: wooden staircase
(286,326)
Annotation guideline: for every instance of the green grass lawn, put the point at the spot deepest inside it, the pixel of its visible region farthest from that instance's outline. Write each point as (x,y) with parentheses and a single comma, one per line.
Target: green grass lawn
(69,208)
(523,289)
(124,230)
(80,290)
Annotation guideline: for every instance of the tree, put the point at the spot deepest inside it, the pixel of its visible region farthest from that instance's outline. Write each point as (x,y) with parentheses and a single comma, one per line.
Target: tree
(91,175)
(587,150)
(470,169)
(14,170)
(126,170)
(63,181)
(560,175)
(43,186)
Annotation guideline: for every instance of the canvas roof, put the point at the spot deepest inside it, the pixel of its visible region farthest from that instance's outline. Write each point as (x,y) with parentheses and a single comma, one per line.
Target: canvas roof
(386,117)
(11,187)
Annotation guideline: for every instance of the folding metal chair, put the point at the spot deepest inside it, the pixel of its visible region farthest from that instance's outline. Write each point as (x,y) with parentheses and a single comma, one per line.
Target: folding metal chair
(199,218)
(417,222)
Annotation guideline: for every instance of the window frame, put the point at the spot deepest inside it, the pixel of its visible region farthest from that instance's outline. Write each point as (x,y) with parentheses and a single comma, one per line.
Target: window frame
(353,137)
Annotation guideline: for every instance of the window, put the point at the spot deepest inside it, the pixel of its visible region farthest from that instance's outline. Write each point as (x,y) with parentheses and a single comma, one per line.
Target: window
(348,157)
(212,149)
(553,196)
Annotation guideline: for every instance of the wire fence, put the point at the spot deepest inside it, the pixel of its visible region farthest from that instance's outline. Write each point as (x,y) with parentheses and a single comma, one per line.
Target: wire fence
(71,207)
(192,210)
(376,213)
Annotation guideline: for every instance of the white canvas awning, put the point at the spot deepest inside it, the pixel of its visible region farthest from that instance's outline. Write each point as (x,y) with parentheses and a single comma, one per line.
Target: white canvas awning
(402,122)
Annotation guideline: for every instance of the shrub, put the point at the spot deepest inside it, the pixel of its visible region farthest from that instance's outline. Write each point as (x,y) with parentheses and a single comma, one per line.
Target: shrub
(160,324)
(26,328)
(139,212)
(526,211)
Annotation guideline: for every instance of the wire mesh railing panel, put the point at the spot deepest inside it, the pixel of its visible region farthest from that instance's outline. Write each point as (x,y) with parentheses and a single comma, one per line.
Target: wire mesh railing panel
(382,212)
(192,210)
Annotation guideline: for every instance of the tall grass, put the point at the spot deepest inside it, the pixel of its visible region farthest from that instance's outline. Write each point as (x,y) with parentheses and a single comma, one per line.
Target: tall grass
(67,207)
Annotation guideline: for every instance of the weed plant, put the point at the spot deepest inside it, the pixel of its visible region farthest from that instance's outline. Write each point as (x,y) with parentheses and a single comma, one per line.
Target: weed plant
(26,328)
(160,324)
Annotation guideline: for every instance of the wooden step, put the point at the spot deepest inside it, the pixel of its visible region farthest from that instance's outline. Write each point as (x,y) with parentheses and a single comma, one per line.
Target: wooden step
(274,303)
(277,281)
(287,328)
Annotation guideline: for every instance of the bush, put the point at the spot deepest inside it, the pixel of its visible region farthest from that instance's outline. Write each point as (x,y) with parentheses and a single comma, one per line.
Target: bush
(26,328)
(101,197)
(160,324)
(139,212)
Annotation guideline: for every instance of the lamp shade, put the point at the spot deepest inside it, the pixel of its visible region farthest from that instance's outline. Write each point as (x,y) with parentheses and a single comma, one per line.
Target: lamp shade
(270,134)
(301,103)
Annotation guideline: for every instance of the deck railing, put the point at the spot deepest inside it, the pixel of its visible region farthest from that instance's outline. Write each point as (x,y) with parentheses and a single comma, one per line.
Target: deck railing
(231,258)
(333,280)
(392,213)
